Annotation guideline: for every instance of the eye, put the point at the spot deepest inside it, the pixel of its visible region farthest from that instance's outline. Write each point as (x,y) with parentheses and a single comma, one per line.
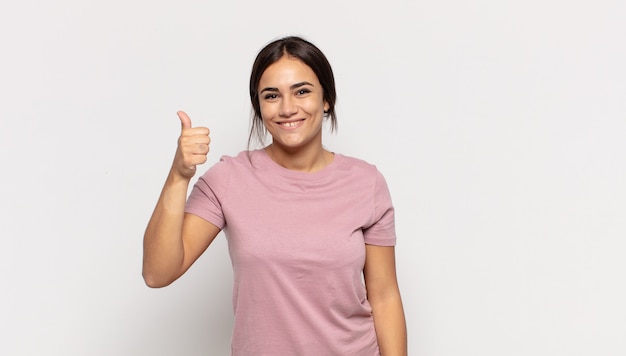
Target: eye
(270,96)
(303,91)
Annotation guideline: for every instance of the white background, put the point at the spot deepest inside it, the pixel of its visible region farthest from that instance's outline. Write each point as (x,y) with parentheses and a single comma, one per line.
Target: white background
(499,126)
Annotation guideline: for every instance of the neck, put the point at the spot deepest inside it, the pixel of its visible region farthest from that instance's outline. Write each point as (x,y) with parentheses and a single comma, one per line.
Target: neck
(310,160)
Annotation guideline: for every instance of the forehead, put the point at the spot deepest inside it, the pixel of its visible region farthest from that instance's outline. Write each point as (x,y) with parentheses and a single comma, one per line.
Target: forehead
(287,71)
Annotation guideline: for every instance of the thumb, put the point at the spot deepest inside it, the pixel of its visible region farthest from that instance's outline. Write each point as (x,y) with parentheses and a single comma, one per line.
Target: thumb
(185,121)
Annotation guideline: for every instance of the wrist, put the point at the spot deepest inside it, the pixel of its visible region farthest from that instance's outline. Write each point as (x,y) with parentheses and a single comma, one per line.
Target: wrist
(176,178)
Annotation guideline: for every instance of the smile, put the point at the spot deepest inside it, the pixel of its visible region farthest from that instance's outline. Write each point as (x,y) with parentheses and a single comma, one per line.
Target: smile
(291,124)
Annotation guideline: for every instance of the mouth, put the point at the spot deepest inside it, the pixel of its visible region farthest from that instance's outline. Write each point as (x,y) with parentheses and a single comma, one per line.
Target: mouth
(290,124)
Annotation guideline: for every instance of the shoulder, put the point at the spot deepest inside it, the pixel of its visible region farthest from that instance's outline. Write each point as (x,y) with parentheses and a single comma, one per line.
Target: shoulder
(226,164)
(243,158)
(363,172)
(357,165)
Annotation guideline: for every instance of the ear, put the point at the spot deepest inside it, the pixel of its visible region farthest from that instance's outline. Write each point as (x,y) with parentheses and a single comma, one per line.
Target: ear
(326,107)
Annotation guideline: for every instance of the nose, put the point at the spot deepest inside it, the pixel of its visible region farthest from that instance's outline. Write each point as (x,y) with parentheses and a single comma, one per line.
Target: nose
(288,107)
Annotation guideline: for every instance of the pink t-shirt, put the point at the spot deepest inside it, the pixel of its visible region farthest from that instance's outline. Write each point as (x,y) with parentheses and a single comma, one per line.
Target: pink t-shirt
(297,246)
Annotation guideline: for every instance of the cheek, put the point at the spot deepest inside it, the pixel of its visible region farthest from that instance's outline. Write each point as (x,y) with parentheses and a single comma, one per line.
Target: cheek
(316,106)
(266,111)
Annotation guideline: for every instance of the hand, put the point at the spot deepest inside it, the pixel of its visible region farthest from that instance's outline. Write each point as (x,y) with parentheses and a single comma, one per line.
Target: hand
(193,146)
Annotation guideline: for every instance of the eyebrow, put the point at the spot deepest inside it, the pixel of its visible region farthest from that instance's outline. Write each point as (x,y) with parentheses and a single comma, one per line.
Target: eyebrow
(292,87)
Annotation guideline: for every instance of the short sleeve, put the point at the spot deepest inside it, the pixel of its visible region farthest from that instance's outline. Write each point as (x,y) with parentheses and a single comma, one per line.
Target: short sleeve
(382,232)
(206,194)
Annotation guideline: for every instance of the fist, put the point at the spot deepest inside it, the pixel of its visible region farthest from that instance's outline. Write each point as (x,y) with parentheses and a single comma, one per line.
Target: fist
(193,147)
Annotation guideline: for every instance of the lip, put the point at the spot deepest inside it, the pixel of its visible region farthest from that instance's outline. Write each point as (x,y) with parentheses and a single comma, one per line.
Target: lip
(290,124)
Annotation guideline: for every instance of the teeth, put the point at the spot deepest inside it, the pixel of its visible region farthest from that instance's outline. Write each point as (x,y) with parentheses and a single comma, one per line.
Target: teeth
(290,124)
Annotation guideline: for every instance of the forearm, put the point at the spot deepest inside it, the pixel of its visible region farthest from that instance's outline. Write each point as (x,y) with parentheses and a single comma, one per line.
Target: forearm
(390,325)
(163,244)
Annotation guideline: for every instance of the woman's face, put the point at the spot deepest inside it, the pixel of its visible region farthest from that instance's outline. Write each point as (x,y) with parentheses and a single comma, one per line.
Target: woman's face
(292,104)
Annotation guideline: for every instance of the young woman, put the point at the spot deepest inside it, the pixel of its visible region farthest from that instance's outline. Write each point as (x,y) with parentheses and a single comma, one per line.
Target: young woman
(310,232)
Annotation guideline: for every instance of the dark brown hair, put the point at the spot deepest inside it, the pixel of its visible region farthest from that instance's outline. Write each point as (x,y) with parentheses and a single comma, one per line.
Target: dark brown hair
(310,55)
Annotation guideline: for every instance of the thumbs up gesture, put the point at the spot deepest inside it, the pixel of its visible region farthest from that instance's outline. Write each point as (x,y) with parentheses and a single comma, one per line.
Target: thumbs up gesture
(193,147)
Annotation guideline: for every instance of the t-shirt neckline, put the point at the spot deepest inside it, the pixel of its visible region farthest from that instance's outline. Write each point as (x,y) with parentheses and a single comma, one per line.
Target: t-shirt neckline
(289,173)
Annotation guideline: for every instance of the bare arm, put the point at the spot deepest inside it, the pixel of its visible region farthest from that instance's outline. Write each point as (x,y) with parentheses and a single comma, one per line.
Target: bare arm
(174,240)
(384,297)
